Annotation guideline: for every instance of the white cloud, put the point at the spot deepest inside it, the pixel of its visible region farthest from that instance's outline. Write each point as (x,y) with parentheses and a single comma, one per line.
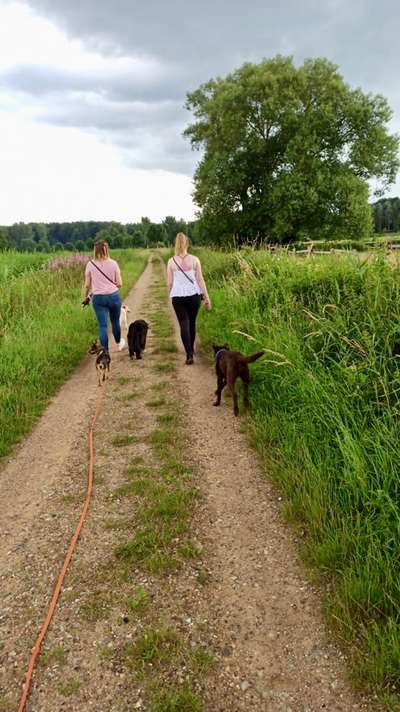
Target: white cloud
(52,173)
(71,150)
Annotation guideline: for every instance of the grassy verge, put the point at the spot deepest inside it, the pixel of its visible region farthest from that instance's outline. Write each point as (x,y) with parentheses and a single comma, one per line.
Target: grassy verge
(325,416)
(44,334)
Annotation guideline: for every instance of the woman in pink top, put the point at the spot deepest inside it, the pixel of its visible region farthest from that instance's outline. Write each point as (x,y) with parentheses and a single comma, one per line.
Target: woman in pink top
(103,280)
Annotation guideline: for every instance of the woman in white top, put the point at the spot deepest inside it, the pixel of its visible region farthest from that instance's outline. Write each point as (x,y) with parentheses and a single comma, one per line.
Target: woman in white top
(187,289)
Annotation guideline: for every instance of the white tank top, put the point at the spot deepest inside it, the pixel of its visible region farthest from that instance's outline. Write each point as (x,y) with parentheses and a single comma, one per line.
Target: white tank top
(182,286)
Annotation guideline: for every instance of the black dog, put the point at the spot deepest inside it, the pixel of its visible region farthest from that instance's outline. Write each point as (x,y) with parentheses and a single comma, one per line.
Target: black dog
(103,361)
(229,366)
(137,334)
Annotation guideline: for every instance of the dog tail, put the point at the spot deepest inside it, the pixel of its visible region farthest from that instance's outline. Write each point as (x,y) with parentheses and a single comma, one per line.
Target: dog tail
(252,357)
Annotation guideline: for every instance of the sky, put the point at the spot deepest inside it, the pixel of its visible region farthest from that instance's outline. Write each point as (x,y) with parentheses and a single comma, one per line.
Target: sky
(92,92)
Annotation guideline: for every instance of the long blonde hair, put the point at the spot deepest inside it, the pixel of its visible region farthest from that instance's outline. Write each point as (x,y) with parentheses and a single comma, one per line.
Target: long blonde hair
(100,251)
(181,243)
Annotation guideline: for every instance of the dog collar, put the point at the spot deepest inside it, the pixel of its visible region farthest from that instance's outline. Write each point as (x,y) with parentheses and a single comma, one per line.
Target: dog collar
(219,352)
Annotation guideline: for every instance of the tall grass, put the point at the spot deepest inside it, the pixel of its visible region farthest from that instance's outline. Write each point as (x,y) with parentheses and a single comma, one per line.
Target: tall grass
(14,263)
(326,417)
(44,333)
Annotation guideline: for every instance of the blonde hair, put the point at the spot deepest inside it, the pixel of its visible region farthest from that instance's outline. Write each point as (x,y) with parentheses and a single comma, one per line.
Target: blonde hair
(101,250)
(181,243)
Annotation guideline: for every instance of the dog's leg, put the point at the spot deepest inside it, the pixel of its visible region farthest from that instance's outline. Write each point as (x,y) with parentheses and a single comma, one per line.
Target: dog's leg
(220,386)
(231,378)
(246,393)
(246,379)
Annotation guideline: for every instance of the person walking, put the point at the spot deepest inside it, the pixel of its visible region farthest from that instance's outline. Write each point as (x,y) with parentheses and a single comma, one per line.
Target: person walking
(103,281)
(187,289)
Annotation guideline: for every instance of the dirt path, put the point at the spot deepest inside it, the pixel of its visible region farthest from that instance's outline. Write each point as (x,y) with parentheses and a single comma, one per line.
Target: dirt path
(186,584)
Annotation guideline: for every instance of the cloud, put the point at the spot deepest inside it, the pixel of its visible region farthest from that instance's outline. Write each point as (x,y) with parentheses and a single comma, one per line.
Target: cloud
(118,72)
(126,84)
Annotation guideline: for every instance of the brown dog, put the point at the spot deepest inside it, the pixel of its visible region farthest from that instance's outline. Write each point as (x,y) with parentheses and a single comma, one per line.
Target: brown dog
(229,366)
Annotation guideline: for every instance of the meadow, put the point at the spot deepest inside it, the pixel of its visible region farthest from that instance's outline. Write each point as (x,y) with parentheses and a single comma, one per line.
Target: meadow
(44,332)
(325,406)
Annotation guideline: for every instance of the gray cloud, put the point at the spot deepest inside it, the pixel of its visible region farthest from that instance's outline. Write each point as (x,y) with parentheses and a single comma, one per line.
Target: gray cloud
(41,80)
(194,41)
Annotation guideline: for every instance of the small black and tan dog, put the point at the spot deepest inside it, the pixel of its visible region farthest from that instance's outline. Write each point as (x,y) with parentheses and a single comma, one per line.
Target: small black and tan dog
(137,334)
(229,366)
(103,361)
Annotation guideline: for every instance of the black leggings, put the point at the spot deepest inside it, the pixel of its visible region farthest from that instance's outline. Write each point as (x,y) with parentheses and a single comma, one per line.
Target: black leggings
(186,309)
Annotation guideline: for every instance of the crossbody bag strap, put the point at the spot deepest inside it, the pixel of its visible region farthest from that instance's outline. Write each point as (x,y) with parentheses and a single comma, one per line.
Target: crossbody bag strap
(103,273)
(183,271)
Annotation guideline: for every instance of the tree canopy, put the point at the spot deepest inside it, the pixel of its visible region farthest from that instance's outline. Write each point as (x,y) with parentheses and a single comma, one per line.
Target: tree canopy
(287,152)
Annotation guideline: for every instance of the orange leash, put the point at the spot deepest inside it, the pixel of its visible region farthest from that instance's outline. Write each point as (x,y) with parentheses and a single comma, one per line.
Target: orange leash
(36,648)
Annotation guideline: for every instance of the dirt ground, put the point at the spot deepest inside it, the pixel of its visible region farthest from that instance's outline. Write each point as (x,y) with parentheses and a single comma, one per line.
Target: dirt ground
(209,605)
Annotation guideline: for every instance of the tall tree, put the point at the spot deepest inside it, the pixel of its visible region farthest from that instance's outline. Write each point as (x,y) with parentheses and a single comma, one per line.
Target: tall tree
(114,233)
(287,152)
(19,232)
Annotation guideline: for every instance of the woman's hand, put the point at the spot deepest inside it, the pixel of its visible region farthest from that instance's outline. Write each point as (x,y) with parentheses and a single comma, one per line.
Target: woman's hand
(207,304)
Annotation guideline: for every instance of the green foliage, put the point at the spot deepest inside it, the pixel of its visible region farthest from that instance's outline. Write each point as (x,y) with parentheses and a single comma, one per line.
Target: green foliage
(4,241)
(287,153)
(81,236)
(325,406)
(13,264)
(115,234)
(387,215)
(180,699)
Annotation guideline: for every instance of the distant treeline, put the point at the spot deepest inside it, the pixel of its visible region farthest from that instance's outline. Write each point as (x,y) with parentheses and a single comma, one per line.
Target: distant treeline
(80,236)
(386,214)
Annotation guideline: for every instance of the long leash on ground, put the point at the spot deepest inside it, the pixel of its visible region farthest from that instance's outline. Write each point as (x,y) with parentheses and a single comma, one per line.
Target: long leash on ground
(36,648)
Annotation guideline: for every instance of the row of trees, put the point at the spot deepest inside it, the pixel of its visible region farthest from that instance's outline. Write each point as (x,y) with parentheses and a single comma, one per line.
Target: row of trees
(386,214)
(287,153)
(80,236)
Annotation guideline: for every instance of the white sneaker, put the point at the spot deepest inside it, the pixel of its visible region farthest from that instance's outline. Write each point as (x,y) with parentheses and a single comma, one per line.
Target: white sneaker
(121,344)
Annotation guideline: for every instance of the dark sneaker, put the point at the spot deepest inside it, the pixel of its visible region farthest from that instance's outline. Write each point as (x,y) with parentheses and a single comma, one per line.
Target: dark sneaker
(189,361)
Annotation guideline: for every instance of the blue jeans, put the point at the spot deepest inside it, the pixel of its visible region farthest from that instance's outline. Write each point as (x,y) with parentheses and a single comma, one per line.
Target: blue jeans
(104,305)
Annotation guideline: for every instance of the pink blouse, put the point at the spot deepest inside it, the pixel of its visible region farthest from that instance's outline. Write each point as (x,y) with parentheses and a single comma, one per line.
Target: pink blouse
(100,284)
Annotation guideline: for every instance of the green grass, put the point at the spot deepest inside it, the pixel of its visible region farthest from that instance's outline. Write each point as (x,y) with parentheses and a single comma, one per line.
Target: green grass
(96,608)
(155,645)
(71,687)
(165,367)
(57,655)
(157,403)
(179,699)
(13,264)
(44,334)
(121,440)
(141,599)
(324,414)
(167,347)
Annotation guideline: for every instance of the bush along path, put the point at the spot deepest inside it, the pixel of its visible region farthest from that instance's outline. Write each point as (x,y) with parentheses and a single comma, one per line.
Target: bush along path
(184,594)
